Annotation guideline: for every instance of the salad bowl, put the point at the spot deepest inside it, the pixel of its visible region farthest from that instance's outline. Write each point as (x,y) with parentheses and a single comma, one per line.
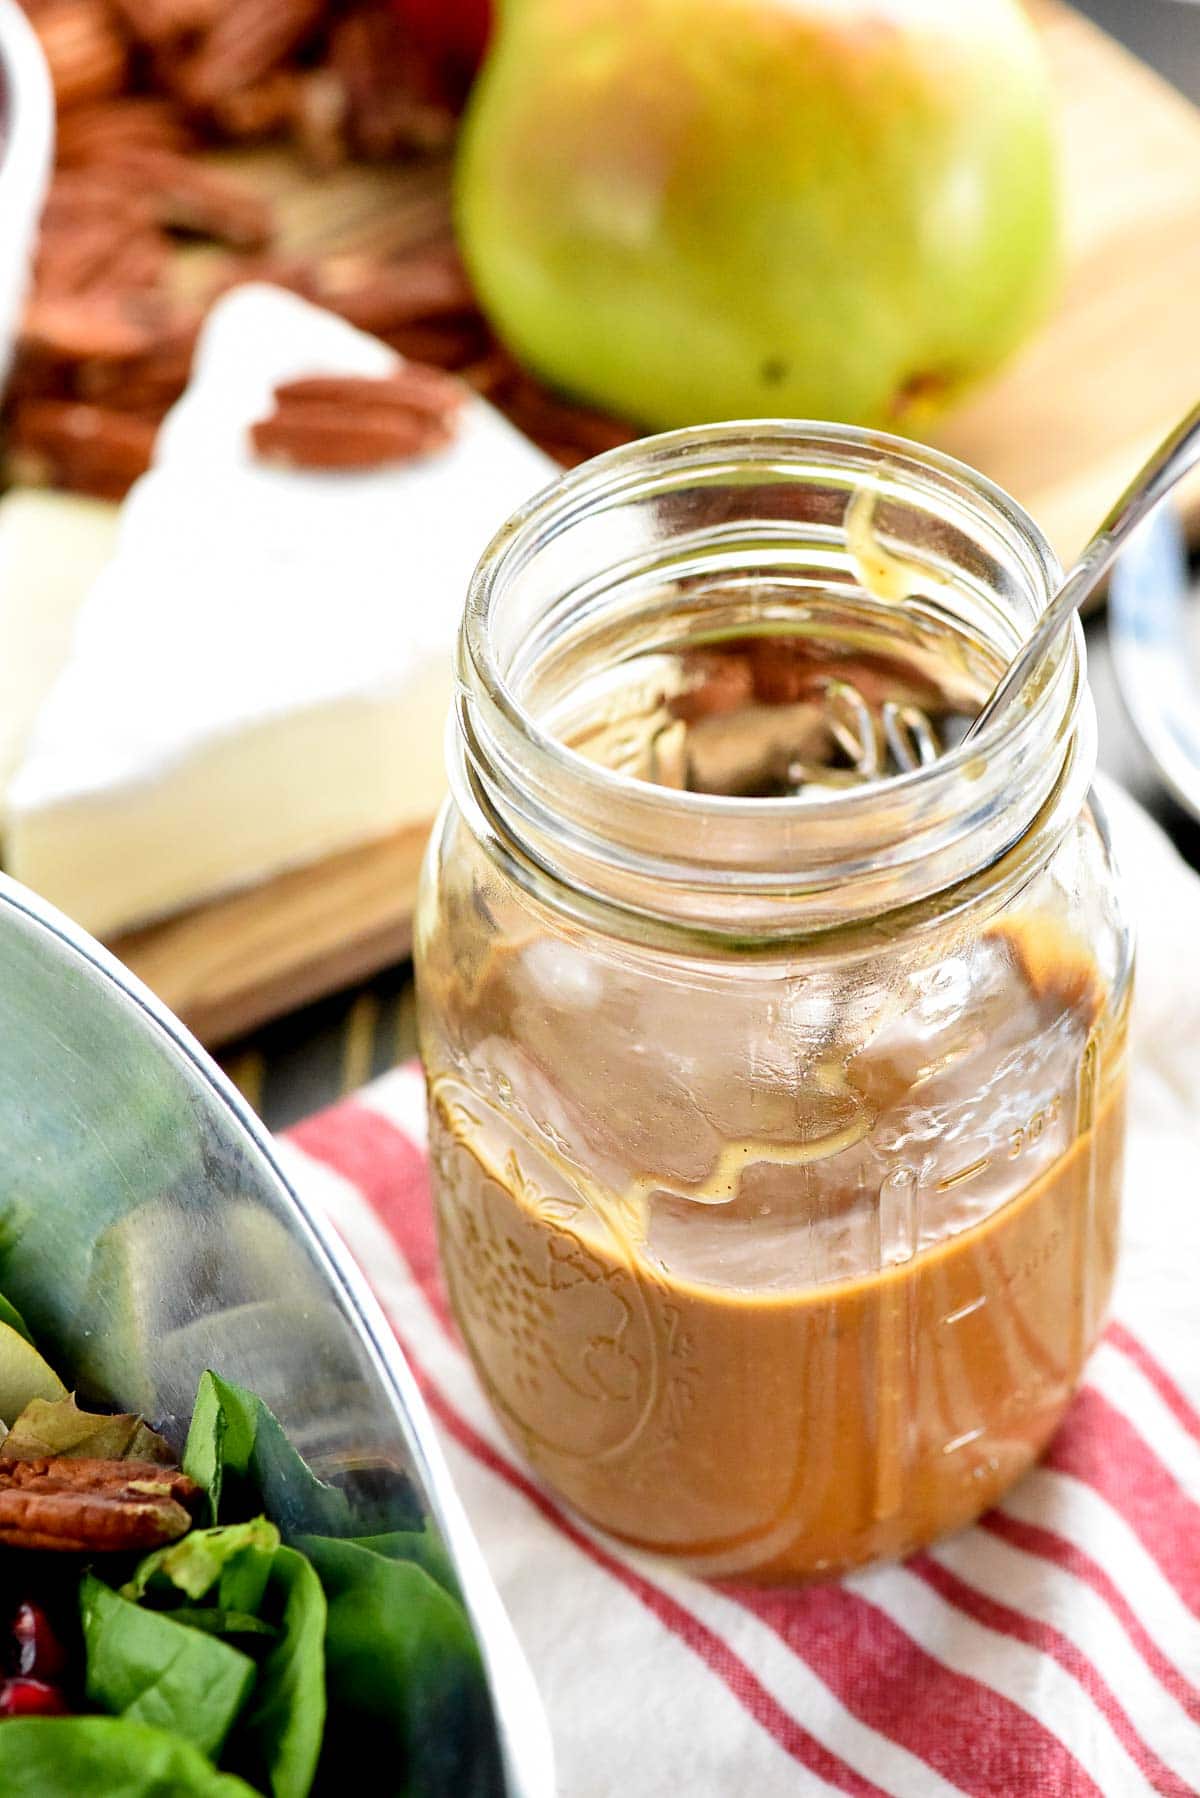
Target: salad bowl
(148,1233)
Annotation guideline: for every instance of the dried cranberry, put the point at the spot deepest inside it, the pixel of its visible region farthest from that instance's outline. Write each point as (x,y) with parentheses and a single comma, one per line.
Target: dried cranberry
(40,1654)
(31,1698)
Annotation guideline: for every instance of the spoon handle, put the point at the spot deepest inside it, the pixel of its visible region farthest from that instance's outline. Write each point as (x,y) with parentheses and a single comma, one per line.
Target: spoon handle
(1174,457)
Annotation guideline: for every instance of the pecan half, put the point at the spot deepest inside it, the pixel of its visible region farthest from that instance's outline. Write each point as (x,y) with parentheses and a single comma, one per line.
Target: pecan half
(163,23)
(95,191)
(88,134)
(269,106)
(420,297)
(139,264)
(93,1507)
(99,252)
(245,42)
(424,392)
(383,297)
(452,345)
(77,327)
(188,196)
(91,449)
(87,55)
(348,421)
(388,101)
(327,437)
(148,384)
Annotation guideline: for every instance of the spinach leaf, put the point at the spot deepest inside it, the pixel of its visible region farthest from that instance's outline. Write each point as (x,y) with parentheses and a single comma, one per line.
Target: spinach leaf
(144,1666)
(405,1685)
(216,1622)
(278,1740)
(63,1757)
(12,1317)
(216,1430)
(237,1450)
(58,1427)
(261,1588)
(244,1578)
(425,1547)
(198,1560)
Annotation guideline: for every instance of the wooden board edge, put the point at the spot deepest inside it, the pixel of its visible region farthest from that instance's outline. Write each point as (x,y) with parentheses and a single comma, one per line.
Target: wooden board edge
(229,966)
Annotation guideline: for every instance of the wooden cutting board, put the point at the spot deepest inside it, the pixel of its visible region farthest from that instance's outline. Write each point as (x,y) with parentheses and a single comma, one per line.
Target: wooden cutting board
(1062,429)
(1073,417)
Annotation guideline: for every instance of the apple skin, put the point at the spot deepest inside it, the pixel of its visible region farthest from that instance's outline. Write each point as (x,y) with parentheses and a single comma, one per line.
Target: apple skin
(692,210)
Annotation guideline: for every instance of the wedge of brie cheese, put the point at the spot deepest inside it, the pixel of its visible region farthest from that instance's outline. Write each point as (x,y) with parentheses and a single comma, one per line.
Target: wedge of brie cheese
(260,675)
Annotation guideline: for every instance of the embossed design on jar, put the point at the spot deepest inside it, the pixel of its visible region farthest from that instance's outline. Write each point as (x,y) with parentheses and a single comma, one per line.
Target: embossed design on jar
(564,1338)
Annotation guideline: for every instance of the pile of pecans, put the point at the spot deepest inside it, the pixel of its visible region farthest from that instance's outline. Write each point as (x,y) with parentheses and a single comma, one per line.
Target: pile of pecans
(144,89)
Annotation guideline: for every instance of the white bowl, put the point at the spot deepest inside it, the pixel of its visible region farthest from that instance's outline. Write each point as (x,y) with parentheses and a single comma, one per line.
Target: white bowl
(26,152)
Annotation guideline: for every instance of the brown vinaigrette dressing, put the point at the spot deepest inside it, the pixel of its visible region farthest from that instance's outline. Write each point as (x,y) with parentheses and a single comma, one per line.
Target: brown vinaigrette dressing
(739,1422)
(747,1322)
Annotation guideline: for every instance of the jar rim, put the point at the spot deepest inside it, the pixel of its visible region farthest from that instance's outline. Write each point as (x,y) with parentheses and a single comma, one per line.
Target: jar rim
(524,775)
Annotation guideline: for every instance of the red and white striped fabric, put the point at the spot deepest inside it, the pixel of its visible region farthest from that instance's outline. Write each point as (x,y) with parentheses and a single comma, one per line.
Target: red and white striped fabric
(1053,1649)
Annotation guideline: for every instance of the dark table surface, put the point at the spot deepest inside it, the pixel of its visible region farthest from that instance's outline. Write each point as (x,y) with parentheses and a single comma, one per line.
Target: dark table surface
(309,1059)
(1165,33)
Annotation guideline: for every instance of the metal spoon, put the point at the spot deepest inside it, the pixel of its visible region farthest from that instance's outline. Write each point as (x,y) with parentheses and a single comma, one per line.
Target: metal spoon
(908,735)
(1174,458)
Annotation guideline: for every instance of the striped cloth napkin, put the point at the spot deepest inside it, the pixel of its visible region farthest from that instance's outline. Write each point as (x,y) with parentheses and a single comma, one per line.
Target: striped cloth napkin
(1054,1649)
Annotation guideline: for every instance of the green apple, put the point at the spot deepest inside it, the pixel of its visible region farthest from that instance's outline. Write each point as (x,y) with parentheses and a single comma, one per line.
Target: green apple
(687,210)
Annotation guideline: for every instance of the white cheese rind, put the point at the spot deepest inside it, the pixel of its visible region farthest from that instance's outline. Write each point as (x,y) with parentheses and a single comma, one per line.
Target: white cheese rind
(259,676)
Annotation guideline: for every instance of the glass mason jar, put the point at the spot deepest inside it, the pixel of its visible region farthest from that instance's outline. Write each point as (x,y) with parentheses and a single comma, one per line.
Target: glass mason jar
(776,1140)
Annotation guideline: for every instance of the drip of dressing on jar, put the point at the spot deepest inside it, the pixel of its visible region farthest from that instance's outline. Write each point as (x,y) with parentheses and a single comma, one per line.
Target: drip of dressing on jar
(911,738)
(883,573)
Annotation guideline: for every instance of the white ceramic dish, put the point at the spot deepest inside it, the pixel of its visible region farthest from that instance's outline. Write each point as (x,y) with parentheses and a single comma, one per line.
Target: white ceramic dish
(26,151)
